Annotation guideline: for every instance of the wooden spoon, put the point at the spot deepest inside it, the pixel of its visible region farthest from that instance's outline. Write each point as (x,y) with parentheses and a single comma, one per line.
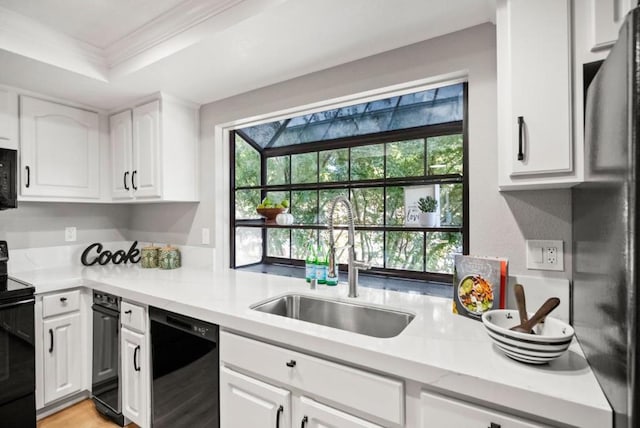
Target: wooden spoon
(546,308)
(522,304)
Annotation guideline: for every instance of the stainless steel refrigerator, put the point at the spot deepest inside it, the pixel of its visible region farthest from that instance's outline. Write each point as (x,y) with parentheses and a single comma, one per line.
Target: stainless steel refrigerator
(605,218)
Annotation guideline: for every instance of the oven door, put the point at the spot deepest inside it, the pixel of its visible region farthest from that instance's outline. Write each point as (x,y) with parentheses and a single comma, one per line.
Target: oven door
(106,357)
(17,351)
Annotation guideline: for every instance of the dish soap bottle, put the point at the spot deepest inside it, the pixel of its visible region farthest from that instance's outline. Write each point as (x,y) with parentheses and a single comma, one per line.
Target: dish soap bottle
(310,264)
(321,266)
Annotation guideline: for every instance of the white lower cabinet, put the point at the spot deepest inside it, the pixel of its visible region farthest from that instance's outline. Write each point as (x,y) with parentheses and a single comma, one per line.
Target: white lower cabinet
(311,414)
(248,402)
(323,393)
(62,336)
(136,367)
(443,412)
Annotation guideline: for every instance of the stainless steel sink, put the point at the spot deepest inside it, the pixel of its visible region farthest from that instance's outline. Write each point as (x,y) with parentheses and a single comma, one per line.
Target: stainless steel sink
(368,320)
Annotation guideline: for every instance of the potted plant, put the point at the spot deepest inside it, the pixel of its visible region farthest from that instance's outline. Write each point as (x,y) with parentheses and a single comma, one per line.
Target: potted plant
(428,215)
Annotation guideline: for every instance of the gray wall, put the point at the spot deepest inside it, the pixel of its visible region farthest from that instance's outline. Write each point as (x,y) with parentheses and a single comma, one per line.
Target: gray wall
(499,222)
(36,224)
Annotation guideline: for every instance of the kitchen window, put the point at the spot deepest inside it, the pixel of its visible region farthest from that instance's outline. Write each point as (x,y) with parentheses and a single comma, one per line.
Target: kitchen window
(383,155)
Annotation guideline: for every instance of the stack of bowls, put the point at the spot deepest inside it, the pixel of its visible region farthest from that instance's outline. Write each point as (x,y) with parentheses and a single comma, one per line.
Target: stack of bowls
(551,338)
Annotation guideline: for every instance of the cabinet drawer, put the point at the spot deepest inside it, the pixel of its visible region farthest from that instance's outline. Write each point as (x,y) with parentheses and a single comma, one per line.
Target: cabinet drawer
(133,317)
(353,388)
(443,412)
(60,303)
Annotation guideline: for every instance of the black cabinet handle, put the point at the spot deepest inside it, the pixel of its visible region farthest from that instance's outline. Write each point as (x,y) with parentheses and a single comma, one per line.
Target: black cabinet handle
(63,299)
(280,411)
(494,425)
(125,180)
(127,312)
(520,138)
(291,363)
(136,367)
(133,180)
(304,422)
(51,341)
(28,176)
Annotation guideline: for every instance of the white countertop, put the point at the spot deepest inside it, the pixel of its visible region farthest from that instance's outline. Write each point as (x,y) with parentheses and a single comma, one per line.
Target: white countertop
(440,349)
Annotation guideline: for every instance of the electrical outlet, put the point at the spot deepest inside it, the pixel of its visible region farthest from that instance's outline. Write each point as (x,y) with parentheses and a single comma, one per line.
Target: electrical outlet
(206,236)
(70,234)
(545,255)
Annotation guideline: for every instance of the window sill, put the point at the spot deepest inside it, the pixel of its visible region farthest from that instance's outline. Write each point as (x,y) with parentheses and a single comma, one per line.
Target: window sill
(365,280)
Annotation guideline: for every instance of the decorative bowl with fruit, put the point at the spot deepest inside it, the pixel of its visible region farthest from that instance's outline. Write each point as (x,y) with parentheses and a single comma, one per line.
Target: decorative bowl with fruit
(270,210)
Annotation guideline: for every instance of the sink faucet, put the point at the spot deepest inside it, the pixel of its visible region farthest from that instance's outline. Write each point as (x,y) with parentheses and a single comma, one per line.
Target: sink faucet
(354,265)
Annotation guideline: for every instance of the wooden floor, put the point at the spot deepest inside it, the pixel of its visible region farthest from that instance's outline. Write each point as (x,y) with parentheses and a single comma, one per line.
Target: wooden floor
(81,415)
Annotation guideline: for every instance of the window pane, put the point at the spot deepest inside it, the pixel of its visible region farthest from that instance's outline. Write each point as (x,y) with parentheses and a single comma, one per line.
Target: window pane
(370,247)
(304,206)
(247,164)
(405,158)
(334,165)
(246,203)
(248,245)
(405,250)
(300,240)
(451,204)
(278,170)
(440,250)
(368,205)
(395,206)
(278,242)
(304,168)
(367,162)
(445,154)
(326,196)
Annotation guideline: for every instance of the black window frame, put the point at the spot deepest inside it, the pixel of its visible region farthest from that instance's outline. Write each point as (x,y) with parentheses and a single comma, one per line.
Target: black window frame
(423,132)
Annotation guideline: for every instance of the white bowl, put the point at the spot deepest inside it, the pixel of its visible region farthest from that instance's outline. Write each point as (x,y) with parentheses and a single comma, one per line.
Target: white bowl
(551,338)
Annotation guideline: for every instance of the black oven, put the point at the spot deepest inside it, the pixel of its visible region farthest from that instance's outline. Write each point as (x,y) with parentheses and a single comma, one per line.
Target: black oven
(8,179)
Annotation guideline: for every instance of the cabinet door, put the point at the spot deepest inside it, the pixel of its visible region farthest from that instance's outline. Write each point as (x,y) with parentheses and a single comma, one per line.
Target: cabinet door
(8,119)
(59,150)
(135,375)
(442,412)
(146,151)
(62,339)
(534,80)
(248,402)
(608,16)
(121,136)
(311,414)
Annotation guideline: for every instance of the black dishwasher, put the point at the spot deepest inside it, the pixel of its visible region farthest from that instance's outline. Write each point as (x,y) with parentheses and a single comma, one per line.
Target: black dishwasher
(185,366)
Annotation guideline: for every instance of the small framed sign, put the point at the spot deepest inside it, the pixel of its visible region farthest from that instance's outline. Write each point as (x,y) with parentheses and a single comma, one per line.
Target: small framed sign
(411,196)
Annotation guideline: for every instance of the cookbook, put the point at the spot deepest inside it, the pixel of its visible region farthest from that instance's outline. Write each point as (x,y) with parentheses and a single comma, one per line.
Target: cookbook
(479,285)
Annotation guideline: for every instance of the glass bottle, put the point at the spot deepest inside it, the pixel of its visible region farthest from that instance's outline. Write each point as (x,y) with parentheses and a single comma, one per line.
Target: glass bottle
(321,266)
(310,263)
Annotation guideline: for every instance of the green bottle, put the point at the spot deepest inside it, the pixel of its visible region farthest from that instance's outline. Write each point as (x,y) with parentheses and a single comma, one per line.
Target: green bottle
(310,263)
(321,266)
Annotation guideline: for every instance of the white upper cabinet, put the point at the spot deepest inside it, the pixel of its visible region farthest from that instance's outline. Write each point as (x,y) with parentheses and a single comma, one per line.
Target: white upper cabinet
(121,151)
(59,150)
(607,17)
(8,119)
(535,94)
(154,152)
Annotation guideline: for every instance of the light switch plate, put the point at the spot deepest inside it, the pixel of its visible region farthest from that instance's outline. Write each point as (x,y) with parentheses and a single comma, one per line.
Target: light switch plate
(206,236)
(545,254)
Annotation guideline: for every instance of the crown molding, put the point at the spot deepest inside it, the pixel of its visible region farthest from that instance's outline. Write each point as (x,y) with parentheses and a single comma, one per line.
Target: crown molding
(24,36)
(165,27)
(175,30)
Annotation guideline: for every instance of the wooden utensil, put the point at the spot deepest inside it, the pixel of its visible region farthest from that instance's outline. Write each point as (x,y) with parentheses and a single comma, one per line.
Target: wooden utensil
(546,308)
(522,304)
